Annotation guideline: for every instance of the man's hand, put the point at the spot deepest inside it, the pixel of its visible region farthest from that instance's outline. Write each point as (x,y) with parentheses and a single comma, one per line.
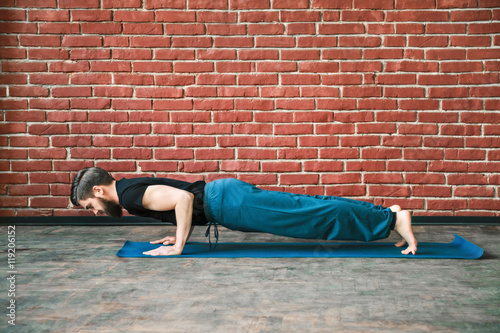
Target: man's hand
(165,241)
(164,251)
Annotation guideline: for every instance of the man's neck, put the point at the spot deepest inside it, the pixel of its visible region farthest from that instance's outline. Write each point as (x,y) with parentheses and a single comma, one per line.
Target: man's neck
(112,194)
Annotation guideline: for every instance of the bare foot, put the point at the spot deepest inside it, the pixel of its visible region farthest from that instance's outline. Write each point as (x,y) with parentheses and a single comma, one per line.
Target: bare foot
(403,228)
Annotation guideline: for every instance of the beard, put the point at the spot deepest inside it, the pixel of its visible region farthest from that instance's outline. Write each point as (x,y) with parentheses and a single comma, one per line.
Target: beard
(111,209)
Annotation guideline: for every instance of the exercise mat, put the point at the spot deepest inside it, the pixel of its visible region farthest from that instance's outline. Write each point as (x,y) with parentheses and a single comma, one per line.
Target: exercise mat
(460,248)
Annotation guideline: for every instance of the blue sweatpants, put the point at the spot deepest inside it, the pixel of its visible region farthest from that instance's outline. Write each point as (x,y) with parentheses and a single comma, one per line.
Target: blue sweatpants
(237,205)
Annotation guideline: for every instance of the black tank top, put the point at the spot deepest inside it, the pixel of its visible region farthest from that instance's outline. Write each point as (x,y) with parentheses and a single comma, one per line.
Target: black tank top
(131,191)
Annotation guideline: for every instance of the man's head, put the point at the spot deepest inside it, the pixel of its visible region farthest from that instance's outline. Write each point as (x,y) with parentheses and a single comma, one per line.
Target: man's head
(89,190)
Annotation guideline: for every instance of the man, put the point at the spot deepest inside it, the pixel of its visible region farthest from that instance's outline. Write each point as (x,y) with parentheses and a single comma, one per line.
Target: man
(238,206)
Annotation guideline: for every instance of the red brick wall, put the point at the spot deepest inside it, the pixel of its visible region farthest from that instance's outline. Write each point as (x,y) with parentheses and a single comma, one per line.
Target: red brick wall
(392,101)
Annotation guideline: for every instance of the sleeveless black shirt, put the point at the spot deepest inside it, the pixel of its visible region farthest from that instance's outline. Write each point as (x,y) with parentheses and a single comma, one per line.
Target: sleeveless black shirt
(131,191)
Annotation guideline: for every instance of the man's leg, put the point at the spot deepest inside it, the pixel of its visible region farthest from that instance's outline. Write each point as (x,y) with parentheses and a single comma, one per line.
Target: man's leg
(242,206)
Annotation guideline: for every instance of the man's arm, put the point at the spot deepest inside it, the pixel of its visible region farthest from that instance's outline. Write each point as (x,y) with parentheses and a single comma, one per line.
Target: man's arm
(164,198)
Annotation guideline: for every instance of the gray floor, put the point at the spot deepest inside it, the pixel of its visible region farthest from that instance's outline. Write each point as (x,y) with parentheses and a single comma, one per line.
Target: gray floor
(69,280)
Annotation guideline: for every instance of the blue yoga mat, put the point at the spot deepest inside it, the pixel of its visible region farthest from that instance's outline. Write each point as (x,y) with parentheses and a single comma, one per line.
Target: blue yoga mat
(460,248)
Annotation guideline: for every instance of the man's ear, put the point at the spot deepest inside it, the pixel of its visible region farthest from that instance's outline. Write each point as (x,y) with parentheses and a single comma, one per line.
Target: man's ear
(98,191)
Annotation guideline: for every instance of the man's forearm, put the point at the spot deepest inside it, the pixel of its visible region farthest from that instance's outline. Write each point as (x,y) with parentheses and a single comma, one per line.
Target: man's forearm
(183,213)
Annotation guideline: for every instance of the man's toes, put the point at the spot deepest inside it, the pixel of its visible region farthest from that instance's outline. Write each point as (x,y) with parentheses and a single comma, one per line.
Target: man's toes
(409,249)
(402,242)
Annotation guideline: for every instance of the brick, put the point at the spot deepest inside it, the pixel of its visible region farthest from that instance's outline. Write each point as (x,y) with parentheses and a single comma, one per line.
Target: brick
(420,154)
(31,166)
(13,201)
(341,28)
(362,91)
(13,79)
(424,129)
(90,128)
(28,190)
(161,4)
(477,78)
(127,104)
(276,141)
(216,54)
(72,141)
(48,129)
(295,104)
(132,153)
(110,66)
(11,53)
(280,166)
(461,130)
(431,191)
(58,116)
(215,79)
(212,16)
(419,104)
(297,153)
(454,67)
(383,54)
(214,154)
(257,154)
(361,66)
(359,41)
(93,103)
(490,167)
(291,129)
(120,129)
(38,40)
(153,141)
(346,191)
(301,29)
(300,79)
(474,191)
(142,29)
(197,42)
(414,166)
(90,153)
(240,166)
(67,67)
(198,167)
(91,78)
(319,92)
(388,191)
(320,42)
(487,204)
(14,154)
(107,141)
(6,128)
(12,27)
(443,142)
(258,79)
(274,42)
(28,91)
(476,15)
(232,116)
(331,4)
(240,92)
(91,15)
(158,92)
(72,92)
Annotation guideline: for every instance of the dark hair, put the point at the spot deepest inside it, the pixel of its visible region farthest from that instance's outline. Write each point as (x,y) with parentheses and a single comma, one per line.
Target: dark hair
(84,182)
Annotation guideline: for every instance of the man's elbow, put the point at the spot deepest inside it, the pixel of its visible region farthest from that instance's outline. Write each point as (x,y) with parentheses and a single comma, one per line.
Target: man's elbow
(187,197)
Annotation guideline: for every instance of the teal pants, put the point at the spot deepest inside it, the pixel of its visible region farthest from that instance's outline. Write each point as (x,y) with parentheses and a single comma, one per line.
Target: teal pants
(237,205)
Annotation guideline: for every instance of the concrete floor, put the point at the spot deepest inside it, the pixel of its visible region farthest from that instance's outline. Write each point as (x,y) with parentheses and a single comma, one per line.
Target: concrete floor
(69,280)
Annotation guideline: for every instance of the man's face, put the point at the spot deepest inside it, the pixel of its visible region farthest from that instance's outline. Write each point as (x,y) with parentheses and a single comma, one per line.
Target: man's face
(102,206)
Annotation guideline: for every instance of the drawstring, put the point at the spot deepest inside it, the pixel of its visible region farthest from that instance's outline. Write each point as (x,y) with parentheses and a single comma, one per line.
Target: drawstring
(216,234)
